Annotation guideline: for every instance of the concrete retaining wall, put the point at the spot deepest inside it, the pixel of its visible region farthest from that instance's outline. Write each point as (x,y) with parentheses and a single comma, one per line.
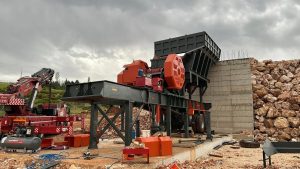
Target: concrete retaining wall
(230,92)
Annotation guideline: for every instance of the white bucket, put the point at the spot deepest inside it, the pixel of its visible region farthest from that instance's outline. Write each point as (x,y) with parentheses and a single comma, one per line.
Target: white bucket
(145,133)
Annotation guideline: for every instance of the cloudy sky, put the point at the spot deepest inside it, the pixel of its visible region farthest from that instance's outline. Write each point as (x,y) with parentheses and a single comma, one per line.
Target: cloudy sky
(81,38)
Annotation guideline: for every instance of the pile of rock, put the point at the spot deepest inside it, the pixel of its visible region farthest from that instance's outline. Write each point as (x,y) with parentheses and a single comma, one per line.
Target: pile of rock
(276,99)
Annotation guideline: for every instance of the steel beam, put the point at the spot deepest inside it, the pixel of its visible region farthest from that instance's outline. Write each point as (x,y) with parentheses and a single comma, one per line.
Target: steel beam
(111,122)
(93,127)
(102,118)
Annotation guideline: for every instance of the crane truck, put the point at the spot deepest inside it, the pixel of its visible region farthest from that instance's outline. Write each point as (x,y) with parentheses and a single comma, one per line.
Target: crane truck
(23,118)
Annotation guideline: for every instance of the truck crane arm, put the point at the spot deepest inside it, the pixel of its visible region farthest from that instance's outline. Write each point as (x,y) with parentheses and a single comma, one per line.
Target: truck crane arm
(25,86)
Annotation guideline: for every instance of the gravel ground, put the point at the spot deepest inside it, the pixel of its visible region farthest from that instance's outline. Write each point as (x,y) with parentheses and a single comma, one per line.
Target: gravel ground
(232,158)
(241,158)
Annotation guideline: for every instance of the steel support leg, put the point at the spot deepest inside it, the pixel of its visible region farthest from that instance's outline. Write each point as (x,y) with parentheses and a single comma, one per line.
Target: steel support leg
(264,159)
(137,128)
(93,127)
(168,120)
(186,124)
(207,125)
(153,123)
(122,119)
(128,123)
(270,160)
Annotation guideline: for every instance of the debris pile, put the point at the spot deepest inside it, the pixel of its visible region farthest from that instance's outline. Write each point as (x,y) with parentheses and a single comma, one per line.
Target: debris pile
(143,116)
(197,164)
(276,99)
(10,163)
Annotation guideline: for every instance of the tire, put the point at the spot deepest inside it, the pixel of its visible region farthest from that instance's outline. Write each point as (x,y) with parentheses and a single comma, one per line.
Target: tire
(249,144)
(198,123)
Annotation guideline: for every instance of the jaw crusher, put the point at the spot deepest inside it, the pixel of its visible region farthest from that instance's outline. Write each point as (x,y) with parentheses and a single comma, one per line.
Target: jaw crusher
(171,88)
(177,74)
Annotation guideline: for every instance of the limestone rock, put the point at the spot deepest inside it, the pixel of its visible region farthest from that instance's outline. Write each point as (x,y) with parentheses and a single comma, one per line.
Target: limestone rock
(275,92)
(272,112)
(295,132)
(295,107)
(268,123)
(262,129)
(285,105)
(284,136)
(294,121)
(281,123)
(262,111)
(287,86)
(270,131)
(270,98)
(258,124)
(278,85)
(261,92)
(258,104)
(259,137)
(288,113)
(257,87)
(261,119)
(284,96)
(284,78)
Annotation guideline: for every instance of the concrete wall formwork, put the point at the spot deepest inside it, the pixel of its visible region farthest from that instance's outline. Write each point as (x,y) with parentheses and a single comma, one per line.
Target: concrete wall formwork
(230,92)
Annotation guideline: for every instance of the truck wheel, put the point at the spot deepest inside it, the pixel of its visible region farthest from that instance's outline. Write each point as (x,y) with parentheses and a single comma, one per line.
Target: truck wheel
(249,144)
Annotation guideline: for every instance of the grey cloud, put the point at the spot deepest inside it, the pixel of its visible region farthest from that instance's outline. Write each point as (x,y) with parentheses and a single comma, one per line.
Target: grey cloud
(47,33)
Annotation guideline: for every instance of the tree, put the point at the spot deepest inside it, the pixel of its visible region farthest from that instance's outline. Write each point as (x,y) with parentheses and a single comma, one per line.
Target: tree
(57,76)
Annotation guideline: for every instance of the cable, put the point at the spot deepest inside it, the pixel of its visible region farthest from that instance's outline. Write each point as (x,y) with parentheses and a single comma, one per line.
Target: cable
(112,164)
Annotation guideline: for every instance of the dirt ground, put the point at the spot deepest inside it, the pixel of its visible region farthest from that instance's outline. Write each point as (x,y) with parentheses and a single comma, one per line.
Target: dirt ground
(241,158)
(232,158)
(110,155)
